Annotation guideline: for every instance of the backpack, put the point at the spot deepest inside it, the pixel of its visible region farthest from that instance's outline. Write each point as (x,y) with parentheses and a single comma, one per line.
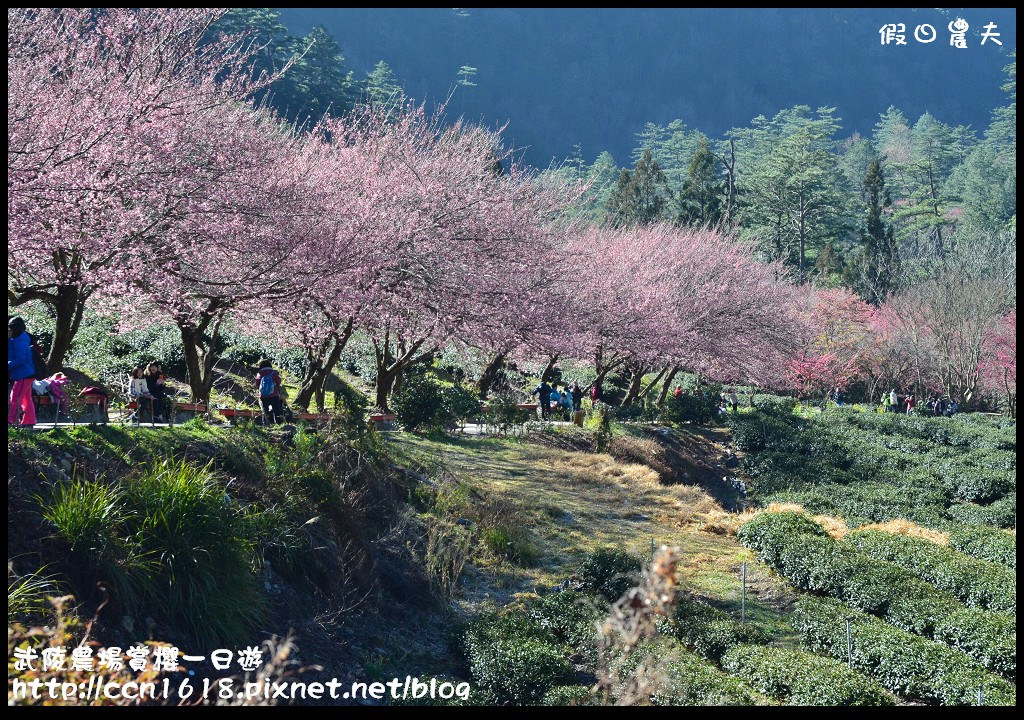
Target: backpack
(38,362)
(267,385)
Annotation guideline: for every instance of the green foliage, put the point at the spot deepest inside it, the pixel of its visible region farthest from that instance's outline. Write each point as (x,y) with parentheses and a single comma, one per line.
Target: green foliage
(699,406)
(29,595)
(573,619)
(688,680)
(609,572)
(424,404)
(908,665)
(513,543)
(814,562)
(514,657)
(569,695)
(975,582)
(986,544)
(171,540)
(503,413)
(800,678)
(709,631)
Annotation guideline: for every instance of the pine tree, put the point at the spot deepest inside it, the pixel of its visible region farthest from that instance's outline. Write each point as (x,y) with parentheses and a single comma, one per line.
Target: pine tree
(703,194)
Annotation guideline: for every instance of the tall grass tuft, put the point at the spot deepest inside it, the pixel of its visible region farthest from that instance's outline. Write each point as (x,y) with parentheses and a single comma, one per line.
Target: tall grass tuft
(29,594)
(206,557)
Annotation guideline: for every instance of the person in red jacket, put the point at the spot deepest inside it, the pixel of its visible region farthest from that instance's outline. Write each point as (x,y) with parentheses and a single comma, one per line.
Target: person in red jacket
(268,384)
(911,402)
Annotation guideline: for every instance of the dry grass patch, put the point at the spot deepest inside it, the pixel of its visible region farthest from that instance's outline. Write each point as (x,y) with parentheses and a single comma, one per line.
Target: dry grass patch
(911,529)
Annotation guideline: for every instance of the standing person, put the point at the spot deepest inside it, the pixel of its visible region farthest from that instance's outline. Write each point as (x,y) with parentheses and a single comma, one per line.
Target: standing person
(885,401)
(268,383)
(733,400)
(577,396)
(678,392)
(952,408)
(911,403)
(893,401)
(543,393)
(567,402)
(595,393)
(21,373)
(156,383)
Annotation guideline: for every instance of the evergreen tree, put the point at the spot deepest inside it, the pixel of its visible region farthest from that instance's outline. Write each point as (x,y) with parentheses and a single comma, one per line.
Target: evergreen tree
(703,195)
(382,87)
(874,272)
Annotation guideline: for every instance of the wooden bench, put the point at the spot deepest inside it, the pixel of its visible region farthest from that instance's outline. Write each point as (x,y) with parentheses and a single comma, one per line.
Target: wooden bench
(233,414)
(100,407)
(382,421)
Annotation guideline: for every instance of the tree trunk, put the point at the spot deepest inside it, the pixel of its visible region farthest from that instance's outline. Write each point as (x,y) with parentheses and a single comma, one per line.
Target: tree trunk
(636,376)
(650,385)
(319,366)
(489,374)
(385,381)
(67,302)
(199,360)
(667,384)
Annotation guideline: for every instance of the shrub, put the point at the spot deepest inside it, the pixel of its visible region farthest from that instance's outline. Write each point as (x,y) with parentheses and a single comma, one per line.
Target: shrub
(609,572)
(572,618)
(986,544)
(775,404)
(699,406)
(688,680)
(514,658)
(906,664)
(503,413)
(424,404)
(800,678)
(709,631)
(572,695)
(975,582)
(817,563)
(513,543)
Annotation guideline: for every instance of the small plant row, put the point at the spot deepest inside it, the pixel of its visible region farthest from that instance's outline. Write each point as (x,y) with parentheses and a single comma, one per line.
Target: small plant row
(791,676)
(800,550)
(797,677)
(986,544)
(977,583)
(908,665)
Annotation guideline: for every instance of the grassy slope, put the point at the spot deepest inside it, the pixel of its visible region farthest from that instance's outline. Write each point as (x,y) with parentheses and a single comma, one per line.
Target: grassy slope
(573,502)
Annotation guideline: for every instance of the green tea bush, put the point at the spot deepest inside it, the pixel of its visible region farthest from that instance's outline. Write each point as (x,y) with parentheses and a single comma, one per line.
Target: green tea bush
(986,544)
(709,631)
(800,678)
(688,680)
(569,695)
(609,572)
(975,582)
(775,404)
(1002,513)
(572,618)
(817,563)
(515,658)
(908,665)
(698,406)
(424,404)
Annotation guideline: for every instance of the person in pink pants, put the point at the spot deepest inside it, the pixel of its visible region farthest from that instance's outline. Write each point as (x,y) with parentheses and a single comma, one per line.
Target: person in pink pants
(21,372)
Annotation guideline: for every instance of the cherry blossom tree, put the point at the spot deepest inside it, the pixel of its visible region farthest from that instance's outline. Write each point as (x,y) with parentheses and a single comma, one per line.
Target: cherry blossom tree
(998,367)
(92,95)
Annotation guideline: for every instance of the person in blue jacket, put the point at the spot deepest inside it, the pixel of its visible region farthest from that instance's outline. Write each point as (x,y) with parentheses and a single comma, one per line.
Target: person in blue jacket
(20,372)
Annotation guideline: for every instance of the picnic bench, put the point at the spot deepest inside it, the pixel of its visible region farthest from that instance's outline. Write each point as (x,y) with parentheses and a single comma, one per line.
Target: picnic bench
(98,406)
(191,409)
